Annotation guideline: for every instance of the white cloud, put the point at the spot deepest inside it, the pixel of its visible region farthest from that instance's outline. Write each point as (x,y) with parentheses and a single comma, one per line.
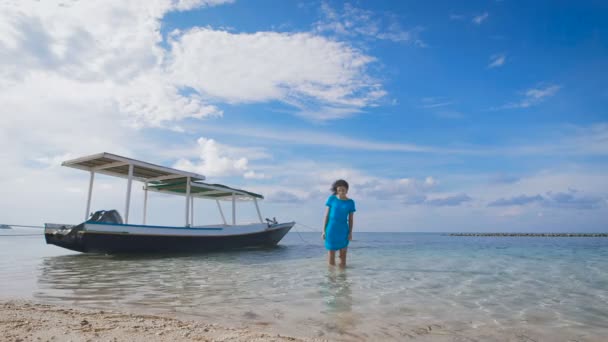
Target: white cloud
(353,21)
(534,96)
(540,93)
(75,75)
(497,60)
(215,159)
(434,102)
(480,18)
(308,181)
(149,100)
(403,190)
(91,71)
(254,175)
(86,40)
(448,201)
(316,138)
(184,5)
(572,140)
(301,69)
(53,161)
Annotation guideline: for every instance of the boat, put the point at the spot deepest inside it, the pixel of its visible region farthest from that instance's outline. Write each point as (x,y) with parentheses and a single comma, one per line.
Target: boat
(106,231)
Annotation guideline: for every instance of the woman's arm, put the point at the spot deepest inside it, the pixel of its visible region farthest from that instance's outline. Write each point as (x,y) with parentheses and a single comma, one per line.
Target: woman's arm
(350,225)
(326,220)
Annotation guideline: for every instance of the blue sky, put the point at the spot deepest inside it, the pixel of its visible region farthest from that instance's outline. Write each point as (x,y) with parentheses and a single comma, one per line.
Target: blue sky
(443,116)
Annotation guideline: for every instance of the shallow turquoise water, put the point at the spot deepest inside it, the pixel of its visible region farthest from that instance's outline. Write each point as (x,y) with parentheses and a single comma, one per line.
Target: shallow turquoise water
(397,285)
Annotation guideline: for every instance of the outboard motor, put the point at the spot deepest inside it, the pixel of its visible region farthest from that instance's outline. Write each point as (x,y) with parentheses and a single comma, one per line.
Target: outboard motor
(106,216)
(70,237)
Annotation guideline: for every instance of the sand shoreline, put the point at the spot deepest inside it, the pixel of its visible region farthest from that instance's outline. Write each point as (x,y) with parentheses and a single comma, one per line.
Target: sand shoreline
(22,320)
(26,320)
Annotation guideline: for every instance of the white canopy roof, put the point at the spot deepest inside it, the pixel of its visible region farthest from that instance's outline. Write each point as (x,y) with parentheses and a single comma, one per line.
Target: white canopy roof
(118,166)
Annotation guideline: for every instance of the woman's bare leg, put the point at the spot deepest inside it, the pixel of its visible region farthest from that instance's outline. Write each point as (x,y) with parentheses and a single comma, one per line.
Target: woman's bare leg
(331,257)
(343,257)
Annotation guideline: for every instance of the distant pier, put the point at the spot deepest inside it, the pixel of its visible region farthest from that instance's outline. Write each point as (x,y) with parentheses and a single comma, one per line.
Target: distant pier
(533,234)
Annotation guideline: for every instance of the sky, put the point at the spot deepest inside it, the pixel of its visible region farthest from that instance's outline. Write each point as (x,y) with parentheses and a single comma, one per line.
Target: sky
(443,116)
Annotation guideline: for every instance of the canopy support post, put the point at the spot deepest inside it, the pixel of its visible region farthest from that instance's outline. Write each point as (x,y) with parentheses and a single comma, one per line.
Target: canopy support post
(145,201)
(129,183)
(87,212)
(257,208)
(192,211)
(233,209)
(221,211)
(187,201)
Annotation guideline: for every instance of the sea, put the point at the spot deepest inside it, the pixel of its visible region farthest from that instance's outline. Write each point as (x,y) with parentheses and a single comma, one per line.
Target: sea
(396,286)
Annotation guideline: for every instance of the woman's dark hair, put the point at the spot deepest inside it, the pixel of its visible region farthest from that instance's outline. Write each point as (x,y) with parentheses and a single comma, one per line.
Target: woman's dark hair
(339,182)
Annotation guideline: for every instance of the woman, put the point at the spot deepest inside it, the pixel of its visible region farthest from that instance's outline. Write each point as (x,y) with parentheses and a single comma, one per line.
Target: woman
(338,228)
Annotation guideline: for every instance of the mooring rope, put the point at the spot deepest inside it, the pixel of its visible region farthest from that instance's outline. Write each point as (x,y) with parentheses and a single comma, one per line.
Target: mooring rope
(21,225)
(309,227)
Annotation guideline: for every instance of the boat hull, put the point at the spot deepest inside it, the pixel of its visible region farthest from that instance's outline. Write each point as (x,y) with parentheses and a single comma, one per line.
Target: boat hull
(115,242)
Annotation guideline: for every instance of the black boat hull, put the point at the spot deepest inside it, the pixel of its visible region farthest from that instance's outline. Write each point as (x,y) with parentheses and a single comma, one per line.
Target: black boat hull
(117,243)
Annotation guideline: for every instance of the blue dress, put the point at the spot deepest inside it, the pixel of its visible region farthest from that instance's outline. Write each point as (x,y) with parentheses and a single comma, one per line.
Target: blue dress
(336,234)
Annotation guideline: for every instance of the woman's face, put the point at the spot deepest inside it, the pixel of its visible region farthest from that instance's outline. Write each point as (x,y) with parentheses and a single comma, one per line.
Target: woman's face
(341,191)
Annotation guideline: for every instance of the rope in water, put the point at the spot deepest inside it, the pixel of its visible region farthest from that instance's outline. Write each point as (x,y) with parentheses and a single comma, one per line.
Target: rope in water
(21,225)
(309,227)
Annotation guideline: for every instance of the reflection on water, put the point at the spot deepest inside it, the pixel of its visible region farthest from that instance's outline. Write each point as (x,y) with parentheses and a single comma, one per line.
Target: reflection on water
(395,285)
(162,282)
(335,290)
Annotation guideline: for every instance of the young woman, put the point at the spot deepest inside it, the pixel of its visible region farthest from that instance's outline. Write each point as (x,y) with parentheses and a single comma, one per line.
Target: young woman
(338,228)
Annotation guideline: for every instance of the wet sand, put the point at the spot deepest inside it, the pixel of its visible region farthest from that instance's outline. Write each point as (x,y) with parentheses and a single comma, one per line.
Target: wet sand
(22,321)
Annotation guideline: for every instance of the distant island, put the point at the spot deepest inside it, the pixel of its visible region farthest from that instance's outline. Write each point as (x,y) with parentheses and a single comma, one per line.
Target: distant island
(533,234)
(5,226)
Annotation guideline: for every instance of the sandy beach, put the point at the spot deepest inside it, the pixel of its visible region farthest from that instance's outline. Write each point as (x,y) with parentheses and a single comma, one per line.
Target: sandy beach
(22,321)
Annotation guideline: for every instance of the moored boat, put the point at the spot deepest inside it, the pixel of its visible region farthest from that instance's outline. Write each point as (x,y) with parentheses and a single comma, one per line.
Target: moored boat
(106,231)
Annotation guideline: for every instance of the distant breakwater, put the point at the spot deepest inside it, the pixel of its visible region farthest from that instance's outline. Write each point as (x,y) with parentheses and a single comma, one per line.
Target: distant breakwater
(533,234)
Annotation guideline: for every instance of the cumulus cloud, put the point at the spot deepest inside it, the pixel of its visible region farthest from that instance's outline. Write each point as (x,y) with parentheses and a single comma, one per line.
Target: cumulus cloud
(93,71)
(215,159)
(149,100)
(86,40)
(324,79)
(77,76)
